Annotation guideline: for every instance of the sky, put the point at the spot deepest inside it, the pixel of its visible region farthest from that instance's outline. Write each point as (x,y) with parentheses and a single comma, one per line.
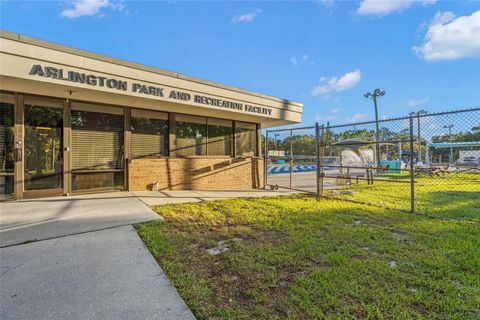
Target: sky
(326,54)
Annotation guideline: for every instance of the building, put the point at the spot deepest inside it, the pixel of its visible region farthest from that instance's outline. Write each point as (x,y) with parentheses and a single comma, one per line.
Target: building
(459,152)
(73,121)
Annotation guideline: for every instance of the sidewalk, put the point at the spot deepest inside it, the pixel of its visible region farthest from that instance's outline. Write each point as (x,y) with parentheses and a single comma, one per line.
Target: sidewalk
(106,274)
(48,218)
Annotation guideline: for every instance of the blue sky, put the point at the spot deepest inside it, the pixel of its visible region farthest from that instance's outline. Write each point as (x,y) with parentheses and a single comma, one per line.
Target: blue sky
(325,54)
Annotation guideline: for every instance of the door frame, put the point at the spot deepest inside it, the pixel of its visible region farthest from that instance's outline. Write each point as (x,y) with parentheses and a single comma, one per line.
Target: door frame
(19,134)
(19,191)
(19,150)
(5,174)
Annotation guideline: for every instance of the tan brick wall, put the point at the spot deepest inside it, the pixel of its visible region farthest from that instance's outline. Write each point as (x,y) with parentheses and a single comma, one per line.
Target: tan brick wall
(196,173)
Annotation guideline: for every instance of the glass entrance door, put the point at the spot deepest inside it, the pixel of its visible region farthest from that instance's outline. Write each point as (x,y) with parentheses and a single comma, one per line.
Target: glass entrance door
(43,136)
(7,154)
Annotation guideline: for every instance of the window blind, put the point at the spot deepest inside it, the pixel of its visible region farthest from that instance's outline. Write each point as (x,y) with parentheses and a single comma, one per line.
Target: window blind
(149,134)
(97,141)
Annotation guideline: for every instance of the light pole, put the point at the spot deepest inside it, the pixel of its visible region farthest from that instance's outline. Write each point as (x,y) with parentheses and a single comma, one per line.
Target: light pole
(276,137)
(418,114)
(376,93)
(449,127)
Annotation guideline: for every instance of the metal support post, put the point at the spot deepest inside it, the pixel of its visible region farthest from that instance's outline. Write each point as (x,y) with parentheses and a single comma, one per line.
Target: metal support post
(400,151)
(427,155)
(412,177)
(419,139)
(291,157)
(265,161)
(322,158)
(317,154)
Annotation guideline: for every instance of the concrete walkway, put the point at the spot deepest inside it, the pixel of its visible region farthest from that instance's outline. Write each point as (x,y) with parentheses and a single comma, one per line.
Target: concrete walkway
(47,218)
(105,274)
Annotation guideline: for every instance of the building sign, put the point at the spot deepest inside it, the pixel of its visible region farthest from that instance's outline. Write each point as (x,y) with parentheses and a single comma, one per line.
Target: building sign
(121,85)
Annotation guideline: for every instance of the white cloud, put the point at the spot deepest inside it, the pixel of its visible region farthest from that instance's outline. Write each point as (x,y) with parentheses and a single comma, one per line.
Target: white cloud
(325,118)
(417,102)
(247,17)
(384,7)
(450,38)
(442,18)
(303,59)
(357,117)
(347,81)
(89,7)
(326,3)
(330,117)
(439,18)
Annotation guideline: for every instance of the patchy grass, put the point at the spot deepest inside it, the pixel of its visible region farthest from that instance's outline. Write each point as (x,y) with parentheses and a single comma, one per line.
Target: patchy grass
(296,258)
(447,195)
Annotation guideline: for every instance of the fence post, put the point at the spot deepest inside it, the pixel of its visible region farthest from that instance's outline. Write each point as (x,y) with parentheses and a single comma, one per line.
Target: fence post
(291,157)
(265,159)
(322,158)
(317,155)
(412,177)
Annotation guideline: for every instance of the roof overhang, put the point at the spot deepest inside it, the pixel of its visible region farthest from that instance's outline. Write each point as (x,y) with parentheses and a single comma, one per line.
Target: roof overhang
(38,67)
(461,144)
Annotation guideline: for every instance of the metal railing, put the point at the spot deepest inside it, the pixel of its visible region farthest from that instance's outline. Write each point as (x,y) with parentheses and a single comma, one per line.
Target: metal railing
(422,163)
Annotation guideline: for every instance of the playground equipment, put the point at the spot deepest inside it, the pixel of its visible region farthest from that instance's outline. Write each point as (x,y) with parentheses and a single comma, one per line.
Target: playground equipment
(349,158)
(367,156)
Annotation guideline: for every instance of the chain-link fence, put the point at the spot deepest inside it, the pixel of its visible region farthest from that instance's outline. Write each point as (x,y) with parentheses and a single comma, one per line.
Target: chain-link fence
(427,163)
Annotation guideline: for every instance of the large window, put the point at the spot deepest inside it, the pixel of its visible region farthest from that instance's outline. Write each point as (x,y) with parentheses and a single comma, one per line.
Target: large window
(97,147)
(191,132)
(7,155)
(245,139)
(149,134)
(200,136)
(220,136)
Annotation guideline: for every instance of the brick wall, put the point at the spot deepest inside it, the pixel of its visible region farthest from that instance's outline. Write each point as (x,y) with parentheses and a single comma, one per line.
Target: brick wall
(196,173)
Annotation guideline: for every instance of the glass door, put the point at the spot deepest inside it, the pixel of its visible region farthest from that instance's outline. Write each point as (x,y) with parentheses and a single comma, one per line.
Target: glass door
(43,146)
(7,154)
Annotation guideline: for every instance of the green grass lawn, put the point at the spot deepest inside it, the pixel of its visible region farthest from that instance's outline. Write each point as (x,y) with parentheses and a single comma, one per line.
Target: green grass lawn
(448,195)
(296,258)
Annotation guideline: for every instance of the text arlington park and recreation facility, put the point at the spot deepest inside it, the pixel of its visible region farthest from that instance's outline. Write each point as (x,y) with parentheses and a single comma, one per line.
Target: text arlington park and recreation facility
(73,121)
